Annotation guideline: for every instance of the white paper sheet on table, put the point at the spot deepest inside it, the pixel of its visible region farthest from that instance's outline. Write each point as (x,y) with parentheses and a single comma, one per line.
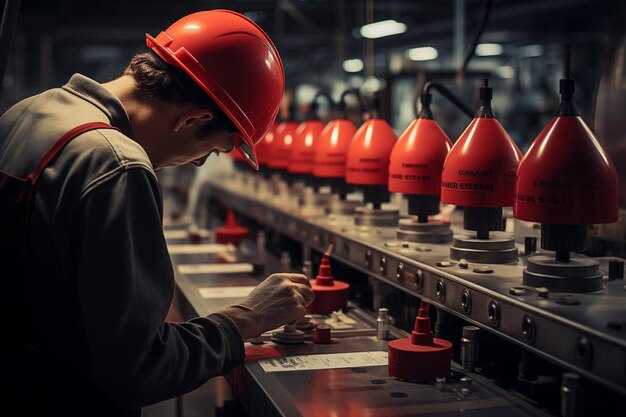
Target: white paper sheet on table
(183,233)
(324,361)
(225,292)
(191,269)
(189,249)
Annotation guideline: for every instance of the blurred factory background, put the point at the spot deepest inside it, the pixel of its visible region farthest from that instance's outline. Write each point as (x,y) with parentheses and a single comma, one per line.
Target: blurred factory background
(323,45)
(388,49)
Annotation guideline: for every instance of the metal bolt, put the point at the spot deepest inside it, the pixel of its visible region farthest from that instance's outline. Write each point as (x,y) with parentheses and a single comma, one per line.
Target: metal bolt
(382,264)
(493,311)
(466,301)
(528,328)
(400,273)
(419,281)
(440,290)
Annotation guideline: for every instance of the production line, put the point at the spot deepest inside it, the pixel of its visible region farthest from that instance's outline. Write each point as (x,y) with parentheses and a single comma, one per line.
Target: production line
(486,276)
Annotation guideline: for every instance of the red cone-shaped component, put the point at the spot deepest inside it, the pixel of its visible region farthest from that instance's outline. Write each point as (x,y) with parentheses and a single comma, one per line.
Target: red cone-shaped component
(303,148)
(480,168)
(368,154)
(417,159)
(420,357)
(231,232)
(281,149)
(264,148)
(330,294)
(566,177)
(332,149)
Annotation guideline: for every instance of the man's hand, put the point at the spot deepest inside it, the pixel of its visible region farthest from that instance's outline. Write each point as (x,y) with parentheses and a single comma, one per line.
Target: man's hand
(282,298)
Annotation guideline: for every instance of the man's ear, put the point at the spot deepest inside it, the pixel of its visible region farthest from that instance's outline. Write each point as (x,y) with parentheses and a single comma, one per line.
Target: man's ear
(193,119)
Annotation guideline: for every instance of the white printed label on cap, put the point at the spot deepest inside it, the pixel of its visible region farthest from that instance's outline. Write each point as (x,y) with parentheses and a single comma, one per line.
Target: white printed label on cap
(191,269)
(325,361)
(225,292)
(189,249)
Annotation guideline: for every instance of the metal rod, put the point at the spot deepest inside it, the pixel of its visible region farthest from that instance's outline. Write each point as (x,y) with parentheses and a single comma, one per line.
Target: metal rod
(450,96)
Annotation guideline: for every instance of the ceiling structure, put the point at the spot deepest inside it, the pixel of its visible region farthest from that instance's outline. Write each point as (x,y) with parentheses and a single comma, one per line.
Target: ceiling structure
(317,35)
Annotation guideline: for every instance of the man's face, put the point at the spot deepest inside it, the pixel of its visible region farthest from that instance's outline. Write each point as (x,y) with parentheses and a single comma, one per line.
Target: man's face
(220,141)
(193,142)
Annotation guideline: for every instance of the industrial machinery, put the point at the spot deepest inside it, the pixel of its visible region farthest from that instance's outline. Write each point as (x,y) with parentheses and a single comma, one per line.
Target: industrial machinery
(514,331)
(367,168)
(479,174)
(565,182)
(415,170)
(331,153)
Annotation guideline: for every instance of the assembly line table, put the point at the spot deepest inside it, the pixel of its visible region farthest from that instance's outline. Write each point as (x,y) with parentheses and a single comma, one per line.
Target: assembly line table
(283,380)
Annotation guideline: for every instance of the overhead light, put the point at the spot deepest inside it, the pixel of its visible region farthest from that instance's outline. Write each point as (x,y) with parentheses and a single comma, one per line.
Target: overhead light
(530,51)
(425,53)
(505,71)
(352,65)
(382,29)
(488,49)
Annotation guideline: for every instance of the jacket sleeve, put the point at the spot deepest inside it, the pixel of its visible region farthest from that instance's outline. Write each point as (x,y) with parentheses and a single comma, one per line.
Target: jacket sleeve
(125,285)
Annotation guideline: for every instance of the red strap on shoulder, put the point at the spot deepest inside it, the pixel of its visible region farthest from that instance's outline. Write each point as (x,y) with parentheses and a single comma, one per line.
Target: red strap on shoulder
(60,144)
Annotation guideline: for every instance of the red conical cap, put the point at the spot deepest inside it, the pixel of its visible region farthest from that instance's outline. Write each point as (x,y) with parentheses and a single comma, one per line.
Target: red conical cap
(566,177)
(303,148)
(264,148)
(479,170)
(417,158)
(281,149)
(332,148)
(368,154)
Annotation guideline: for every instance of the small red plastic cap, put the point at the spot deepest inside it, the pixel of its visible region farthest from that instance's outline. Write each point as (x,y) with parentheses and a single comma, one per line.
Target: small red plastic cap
(265,147)
(566,177)
(283,140)
(332,149)
(417,159)
(420,357)
(208,45)
(368,154)
(303,148)
(330,294)
(231,232)
(480,169)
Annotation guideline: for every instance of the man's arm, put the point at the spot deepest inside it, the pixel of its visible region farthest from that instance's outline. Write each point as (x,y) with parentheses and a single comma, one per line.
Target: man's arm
(125,285)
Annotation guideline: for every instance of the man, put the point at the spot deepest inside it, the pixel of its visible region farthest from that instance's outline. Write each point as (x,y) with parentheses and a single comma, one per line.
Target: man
(83,254)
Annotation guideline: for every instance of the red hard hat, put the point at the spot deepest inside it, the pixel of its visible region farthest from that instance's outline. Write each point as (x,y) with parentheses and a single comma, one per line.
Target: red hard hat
(235,63)
(332,149)
(303,147)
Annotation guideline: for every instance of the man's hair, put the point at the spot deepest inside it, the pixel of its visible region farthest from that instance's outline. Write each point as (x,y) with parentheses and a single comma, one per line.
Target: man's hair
(159,81)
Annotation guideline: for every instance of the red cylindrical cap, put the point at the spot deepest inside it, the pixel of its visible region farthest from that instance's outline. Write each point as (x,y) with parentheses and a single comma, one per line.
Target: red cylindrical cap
(283,140)
(566,177)
(417,159)
(368,155)
(231,232)
(322,335)
(419,357)
(303,148)
(479,170)
(332,149)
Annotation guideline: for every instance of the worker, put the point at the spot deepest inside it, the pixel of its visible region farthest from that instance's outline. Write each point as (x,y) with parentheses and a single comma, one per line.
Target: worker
(85,263)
